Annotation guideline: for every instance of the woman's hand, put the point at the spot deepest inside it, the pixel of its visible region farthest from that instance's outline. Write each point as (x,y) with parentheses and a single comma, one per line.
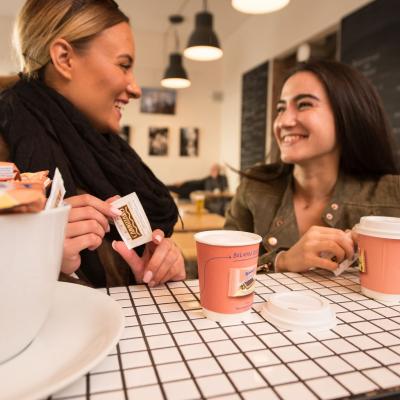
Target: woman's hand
(161,261)
(87,225)
(316,248)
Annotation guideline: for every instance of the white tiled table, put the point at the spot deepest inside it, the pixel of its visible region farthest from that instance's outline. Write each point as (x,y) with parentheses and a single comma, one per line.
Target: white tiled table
(169,351)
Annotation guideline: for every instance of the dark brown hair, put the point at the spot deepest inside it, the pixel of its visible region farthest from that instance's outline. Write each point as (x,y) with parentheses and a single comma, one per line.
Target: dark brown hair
(362,128)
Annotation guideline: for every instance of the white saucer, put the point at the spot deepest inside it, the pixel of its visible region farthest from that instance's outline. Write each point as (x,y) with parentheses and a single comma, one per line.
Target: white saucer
(82,328)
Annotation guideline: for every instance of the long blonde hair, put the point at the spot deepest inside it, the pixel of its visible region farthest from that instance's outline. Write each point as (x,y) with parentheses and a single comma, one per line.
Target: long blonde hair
(40,22)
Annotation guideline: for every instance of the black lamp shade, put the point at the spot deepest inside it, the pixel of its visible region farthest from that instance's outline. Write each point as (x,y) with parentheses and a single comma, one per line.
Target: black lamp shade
(175,68)
(203,34)
(175,75)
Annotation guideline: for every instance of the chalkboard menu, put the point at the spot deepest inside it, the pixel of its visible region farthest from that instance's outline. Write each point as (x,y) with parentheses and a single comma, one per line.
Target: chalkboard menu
(371,42)
(254,116)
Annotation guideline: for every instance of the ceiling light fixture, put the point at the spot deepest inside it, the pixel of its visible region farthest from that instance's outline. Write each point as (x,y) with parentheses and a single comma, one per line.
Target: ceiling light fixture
(175,76)
(203,44)
(259,6)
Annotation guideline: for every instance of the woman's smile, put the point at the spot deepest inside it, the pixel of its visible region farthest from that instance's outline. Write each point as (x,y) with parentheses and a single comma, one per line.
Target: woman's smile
(292,139)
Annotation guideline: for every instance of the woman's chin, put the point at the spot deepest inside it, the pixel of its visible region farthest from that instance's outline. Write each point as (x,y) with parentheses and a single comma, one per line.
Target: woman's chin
(288,159)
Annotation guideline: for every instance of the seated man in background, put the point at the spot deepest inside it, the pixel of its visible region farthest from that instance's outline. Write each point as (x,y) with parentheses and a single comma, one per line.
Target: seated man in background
(215,183)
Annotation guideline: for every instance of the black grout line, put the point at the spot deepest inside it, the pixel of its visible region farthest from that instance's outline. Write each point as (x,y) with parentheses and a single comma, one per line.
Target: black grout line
(359,349)
(122,373)
(88,386)
(124,388)
(205,343)
(343,282)
(243,353)
(321,342)
(147,344)
(176,345)
(337,354)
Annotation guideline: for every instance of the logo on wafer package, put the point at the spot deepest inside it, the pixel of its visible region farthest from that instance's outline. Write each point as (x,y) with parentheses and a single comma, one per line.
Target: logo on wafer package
(129,222)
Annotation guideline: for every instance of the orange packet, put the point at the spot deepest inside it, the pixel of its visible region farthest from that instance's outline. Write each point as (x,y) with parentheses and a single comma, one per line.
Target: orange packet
(20,197)
(39,177)
(8,171)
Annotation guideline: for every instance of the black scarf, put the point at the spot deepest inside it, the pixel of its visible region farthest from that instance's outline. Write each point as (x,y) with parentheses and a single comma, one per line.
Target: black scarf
(44,130)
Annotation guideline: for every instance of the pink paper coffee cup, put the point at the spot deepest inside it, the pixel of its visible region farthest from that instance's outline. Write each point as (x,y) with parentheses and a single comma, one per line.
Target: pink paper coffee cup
(227,264)
(379,257)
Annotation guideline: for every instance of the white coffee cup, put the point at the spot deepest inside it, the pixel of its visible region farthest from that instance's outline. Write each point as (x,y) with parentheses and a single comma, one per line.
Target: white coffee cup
(31,247)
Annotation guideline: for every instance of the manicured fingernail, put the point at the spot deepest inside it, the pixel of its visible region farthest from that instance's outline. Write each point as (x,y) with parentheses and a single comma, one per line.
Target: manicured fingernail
(147,277)
(113,244)
(158,238)
(116,211)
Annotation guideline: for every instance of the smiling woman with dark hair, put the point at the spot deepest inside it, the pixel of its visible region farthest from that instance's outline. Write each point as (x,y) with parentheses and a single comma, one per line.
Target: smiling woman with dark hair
(337,165)
(76,77)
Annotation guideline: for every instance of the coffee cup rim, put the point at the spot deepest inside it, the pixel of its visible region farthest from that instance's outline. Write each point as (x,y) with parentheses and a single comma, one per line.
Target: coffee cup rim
(56,210)
(379,226)
(203,237)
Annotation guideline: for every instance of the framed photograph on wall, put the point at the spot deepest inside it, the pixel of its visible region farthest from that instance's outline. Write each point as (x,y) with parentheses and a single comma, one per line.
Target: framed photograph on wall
(158,141)
(158,101)
(189,142)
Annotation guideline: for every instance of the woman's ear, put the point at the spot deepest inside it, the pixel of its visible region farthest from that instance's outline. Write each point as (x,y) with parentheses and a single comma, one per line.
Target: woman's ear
(61,54)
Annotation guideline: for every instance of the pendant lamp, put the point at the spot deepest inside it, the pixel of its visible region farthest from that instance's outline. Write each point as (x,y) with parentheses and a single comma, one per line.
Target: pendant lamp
(203,44)
(259,6)
(175,76)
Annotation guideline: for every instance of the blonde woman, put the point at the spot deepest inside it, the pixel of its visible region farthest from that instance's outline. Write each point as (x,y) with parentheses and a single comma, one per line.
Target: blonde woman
(76,78)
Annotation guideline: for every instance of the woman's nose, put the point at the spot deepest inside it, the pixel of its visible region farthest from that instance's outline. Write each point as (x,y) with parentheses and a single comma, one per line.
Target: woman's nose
(133,89)
(287,118)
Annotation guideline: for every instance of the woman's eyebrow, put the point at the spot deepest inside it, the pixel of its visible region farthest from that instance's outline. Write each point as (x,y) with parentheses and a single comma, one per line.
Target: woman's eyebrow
(305,96)
(299,97)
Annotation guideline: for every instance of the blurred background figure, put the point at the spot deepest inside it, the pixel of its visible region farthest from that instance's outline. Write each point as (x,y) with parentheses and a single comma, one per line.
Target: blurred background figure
(214,185)
(216,182)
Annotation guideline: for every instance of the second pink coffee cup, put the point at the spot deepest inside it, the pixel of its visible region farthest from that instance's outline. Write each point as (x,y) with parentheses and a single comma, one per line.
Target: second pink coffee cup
(379,257)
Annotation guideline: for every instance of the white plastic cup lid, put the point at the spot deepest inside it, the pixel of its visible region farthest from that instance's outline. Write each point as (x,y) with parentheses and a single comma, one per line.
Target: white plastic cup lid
(383,227)
(227,238)
(299,311)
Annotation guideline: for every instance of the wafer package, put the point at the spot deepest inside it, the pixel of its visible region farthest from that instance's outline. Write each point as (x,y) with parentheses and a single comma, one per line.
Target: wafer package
(41,177)
(26,192)
(21,197)
(8,171)
(132,224)
(345,264)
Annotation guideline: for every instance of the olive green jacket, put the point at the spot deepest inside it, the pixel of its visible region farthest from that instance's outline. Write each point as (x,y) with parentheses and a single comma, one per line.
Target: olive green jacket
(266,208)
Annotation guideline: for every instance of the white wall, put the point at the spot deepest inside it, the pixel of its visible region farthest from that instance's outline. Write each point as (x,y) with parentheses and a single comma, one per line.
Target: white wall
(261,38)
(8,64)
(195,108)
